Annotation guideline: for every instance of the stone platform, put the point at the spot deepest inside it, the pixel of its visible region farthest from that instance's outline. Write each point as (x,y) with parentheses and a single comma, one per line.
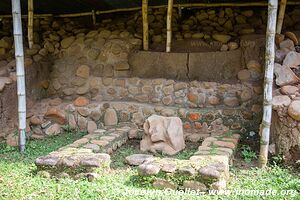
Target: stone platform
(90,154)
(207,169)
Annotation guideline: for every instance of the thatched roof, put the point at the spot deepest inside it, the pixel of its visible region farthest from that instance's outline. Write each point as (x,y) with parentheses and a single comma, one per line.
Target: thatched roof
(73,6)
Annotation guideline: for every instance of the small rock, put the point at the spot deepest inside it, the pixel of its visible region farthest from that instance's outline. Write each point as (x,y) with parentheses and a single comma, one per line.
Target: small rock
(147,169)
(280,54)
(287,44)
(34,120)
(292,59)
(164,184)
(169,167)
(53,129)
(294,110)
(281,101)
(232,46)
(83,71)
(91,126)
(110,117)
(292,37)
(284,75)
(138,159)
(208,172)
(221,38)
(81,101)
(224,47)
(56,115)
(244,75)
(194,185)
(253,65)
(190,171)
(231,101)
(65,43)
(289,89)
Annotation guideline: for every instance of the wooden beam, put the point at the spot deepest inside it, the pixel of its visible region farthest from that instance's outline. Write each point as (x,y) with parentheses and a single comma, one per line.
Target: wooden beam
(145,25)
(30,23)
(281,16)
(19,55)
(268,83)
(169,25)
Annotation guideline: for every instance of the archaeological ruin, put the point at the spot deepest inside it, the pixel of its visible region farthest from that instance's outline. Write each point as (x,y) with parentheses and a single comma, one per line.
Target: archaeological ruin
(165,74)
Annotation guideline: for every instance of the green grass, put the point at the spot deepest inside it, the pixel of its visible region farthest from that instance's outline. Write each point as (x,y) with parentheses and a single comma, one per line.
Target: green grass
(18,179)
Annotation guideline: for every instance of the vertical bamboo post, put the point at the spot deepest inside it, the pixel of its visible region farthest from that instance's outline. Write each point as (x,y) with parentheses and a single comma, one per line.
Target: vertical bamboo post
(30,23)
(94,17)
(19,54)
(179,11)
(145,25)
(268,83)
(281,16)
(169,25)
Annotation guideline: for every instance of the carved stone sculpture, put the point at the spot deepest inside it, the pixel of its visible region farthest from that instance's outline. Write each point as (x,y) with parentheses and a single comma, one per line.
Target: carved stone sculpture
(163,134)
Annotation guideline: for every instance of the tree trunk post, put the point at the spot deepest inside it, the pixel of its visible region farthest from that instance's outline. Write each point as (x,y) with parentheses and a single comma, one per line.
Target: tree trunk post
(268,83)
(145,25)
(169,25)
(19,54)
(281,16)
(30,23)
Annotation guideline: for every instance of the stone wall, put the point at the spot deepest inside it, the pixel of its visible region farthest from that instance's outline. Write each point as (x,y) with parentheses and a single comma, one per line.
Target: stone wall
(36,74)
(286,95)
(50,116)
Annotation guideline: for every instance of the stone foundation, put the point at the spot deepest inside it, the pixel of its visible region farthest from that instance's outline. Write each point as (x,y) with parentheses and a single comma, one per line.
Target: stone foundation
(207,169)
(51,116)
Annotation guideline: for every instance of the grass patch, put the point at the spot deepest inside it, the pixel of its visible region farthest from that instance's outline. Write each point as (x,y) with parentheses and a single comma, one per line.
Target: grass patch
(18,182)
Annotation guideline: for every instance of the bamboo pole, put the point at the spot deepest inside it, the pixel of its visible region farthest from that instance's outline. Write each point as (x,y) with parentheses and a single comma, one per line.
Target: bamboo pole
(179,11)
(94,17)
(190,5)
(30,23)
(268,83)
(145,25)
(169,25)
(19,54)
(281,16)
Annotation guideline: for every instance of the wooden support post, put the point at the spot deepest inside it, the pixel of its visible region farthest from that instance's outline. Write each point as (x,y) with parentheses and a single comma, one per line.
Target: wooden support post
(19,54)
(94,17)
(145,25)
(268,83)
(179,11)
(169,25)
(281,16)
(30,23)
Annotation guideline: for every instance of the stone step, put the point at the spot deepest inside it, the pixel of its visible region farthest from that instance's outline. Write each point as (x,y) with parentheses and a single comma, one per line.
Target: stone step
(207,169)
(90,154)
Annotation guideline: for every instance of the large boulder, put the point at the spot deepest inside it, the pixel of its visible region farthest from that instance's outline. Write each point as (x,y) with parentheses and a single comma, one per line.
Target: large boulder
(284,75)
(163,134)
